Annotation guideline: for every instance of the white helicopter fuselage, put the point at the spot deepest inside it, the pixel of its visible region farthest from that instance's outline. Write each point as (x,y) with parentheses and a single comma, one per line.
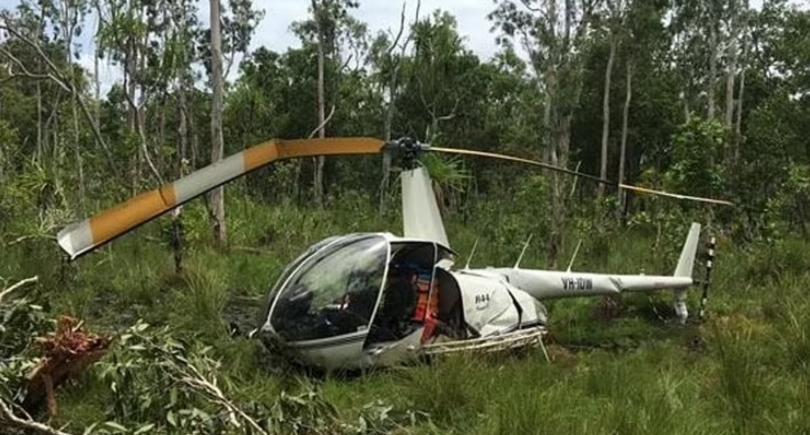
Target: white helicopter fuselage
(315,313)
(492,302)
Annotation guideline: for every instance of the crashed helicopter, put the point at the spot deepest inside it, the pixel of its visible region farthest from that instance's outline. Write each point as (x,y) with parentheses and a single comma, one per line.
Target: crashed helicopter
(376,299)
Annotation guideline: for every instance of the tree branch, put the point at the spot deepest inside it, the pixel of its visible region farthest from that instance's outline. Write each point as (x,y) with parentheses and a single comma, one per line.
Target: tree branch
(25,424)
(5,292)
(195,380)
(59,78)
(323,124)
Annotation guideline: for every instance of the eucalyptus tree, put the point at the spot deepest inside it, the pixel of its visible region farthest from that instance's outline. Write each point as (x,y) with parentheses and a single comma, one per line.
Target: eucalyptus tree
(615,22)
(645,47)
(217,196)
(435,76)
(47,58)
(554,35)
(332,29)
(386,55)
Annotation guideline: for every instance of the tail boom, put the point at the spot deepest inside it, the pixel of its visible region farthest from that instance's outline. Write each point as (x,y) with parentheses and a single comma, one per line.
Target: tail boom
(547,284)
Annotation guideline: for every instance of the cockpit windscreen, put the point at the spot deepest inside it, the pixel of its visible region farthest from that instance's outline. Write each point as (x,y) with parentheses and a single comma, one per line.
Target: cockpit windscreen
(334,292)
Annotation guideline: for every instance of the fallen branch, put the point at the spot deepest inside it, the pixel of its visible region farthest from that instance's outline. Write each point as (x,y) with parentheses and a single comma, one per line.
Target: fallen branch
(16,286)
(68,351)
(13,421)
(195,380)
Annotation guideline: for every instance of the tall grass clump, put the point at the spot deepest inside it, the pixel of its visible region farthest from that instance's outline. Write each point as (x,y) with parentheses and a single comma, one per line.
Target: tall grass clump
(199,304)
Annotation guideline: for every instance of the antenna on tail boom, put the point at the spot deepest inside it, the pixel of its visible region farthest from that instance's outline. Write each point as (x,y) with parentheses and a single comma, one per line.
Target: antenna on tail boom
(523,251)
(472,253)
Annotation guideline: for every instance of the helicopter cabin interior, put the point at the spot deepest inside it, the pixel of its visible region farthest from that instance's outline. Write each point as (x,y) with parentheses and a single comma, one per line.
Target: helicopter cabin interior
(356,285)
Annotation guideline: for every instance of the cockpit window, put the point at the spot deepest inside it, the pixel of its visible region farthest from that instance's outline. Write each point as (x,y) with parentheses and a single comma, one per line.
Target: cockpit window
(334,292)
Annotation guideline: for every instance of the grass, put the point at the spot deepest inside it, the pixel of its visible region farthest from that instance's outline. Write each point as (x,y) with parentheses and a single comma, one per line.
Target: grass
(744,371)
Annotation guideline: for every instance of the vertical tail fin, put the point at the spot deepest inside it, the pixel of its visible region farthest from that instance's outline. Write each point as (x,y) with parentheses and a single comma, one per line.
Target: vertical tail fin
(687,259)
(420,212)
(686,263)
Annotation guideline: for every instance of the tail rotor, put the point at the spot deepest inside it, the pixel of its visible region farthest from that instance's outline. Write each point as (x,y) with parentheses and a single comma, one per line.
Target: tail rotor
(704,298)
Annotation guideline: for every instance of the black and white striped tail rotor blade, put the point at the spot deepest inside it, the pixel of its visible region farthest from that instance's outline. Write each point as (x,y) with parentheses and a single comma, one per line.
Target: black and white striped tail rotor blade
(704,298)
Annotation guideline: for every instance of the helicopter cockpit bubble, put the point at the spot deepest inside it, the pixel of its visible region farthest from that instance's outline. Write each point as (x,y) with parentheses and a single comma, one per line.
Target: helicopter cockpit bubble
(333,292)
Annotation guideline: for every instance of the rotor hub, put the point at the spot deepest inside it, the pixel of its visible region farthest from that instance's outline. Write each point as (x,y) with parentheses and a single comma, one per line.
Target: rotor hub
(404,153)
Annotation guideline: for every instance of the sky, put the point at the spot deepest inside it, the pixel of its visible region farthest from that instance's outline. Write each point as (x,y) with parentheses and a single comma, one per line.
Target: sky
(274,32)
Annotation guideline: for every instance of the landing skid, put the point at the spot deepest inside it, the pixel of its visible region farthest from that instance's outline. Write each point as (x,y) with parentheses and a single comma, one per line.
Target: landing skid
(519,339)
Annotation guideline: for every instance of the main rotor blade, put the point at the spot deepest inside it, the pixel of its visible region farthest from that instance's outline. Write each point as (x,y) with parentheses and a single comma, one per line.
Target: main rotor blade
(578,174)
(82,237)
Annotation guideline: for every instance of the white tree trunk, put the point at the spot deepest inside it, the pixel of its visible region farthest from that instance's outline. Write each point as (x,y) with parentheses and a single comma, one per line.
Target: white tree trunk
(732,69)
(623,148)
(606,115)
(217,147)
(738,125)
(320,160)
(712,71)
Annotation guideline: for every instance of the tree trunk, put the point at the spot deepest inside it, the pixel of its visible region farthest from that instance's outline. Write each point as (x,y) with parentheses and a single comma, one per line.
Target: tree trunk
(182,150)
(68,24)
(623,148)
(96,69)
(738,126)
(217,147)
(41,134)
(130,61)
(606,115)
(732,69)
(320,160)
(130,64)
(39,122)
(78,154)
(712,70)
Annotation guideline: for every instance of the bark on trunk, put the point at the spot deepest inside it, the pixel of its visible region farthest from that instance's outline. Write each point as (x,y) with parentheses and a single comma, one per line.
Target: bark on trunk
(745,44)
(712,71)
(628,95)
(182,150)
(320,160)
(39,122)
(732,70)
(606,115)
(68,35)
(96,69)
(217,195)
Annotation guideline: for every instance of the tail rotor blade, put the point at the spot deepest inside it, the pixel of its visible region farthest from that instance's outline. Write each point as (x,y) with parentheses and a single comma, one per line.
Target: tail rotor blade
(82,237)
(578,174)
(675,195)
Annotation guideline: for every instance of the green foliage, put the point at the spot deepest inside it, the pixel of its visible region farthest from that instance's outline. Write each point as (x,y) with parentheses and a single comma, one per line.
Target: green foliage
(21,321)
(178,387)
(698,149)
(789,209)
